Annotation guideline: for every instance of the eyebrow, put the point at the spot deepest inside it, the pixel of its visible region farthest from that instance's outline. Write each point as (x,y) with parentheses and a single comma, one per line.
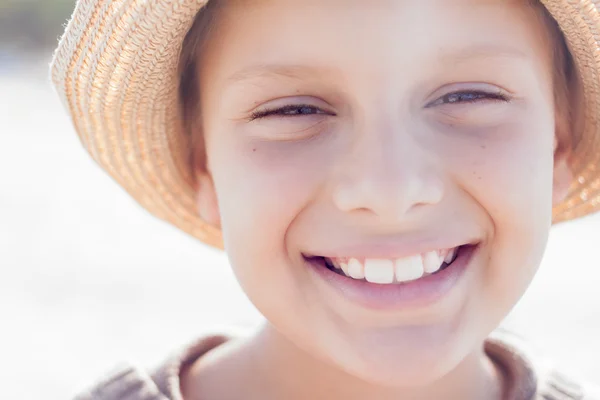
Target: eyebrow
(483,50)
(278,70)
(298,71)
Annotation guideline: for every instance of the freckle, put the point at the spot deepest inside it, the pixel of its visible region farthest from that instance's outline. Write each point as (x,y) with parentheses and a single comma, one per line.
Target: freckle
(253,150)
(483,146)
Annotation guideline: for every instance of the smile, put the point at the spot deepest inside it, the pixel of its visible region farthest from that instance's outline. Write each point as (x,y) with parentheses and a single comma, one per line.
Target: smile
(417,280)
(393,271)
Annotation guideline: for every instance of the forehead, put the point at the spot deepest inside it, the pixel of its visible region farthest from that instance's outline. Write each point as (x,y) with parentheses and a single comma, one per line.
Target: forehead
(372,35)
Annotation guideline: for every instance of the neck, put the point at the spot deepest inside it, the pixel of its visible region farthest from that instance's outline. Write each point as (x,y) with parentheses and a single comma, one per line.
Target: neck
(292,373)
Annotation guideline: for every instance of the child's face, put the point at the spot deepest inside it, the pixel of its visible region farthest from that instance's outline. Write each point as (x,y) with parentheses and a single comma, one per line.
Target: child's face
(380,163)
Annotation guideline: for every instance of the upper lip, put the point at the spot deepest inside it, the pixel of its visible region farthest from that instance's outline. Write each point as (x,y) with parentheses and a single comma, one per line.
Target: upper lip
(390,249)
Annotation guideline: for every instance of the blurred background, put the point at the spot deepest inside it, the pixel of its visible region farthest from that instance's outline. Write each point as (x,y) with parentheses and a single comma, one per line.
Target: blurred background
(88,279)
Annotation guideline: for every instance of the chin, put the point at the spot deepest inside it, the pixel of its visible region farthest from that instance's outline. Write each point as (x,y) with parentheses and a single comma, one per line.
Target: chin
(412,357)
(402,372)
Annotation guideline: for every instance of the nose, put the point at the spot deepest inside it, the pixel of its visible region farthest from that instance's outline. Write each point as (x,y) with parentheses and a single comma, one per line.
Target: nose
(389,176)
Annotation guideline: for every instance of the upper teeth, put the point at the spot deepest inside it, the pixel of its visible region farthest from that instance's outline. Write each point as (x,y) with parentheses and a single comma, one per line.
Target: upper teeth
(378,270)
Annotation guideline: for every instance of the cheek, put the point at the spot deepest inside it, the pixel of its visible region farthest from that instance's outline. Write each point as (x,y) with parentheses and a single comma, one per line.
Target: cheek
(262,187)
(510,176)
(272,180)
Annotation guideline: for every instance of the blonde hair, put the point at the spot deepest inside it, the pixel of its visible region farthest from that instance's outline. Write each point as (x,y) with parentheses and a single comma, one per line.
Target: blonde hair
(565,79)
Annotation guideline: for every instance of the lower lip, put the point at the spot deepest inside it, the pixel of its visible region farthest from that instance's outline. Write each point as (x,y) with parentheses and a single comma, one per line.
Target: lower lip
(414,294)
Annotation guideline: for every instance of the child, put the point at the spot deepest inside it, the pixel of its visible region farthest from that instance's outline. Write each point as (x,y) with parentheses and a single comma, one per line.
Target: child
(382,174)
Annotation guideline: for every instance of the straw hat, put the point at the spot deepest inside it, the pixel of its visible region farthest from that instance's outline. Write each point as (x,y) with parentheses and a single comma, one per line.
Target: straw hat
(115,70)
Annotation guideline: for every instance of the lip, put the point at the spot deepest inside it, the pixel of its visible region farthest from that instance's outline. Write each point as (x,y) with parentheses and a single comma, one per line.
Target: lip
(392,250)
(420,293)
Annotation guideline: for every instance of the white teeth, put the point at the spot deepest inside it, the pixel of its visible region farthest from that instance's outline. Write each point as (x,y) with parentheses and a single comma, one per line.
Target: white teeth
(344,268)
(355,269)
(409,268)
(432,262)
(450,256)
(379,270)
(385,271)
(336,264)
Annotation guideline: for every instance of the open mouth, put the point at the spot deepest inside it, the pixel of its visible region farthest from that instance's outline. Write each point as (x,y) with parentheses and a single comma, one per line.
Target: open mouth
(392,270)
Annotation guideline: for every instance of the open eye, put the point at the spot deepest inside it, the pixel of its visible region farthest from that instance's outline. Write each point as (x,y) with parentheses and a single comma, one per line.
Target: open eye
(291,110)
(472,96)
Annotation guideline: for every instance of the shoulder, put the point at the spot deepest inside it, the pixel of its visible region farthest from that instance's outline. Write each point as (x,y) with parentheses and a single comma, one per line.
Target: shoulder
(535,372)
(557,385)
(126,382)
(129,382)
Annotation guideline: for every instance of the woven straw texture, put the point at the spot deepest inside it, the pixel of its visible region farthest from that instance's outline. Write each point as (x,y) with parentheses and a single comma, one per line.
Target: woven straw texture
(115,70)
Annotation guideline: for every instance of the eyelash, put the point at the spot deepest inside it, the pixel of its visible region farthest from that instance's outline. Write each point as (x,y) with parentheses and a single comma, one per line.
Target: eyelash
(474,96)
(281,111)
